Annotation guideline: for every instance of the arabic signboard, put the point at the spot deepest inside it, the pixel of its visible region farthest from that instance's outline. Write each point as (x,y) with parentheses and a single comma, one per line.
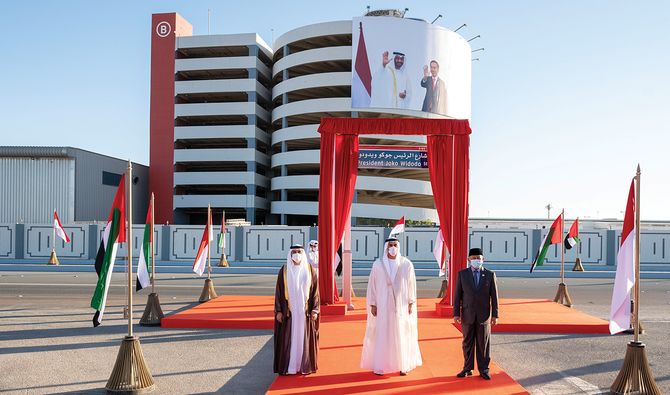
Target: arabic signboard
(392,157)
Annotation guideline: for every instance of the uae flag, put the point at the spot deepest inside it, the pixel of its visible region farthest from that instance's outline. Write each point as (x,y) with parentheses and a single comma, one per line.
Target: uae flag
(207,237)
(554,236)
(143,278)
(115,233)
(59,229)
(361,84)
(222,235)
(573,236)
(399,226)
(438,251)
(625,269)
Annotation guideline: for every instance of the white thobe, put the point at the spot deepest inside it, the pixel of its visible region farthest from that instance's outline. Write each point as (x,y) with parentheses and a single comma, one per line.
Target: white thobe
(313,259)
(391,341)
(387,84)
(297,281)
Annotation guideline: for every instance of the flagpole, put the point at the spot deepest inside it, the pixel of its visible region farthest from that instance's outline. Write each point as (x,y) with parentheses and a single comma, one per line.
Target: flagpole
(562,296)
(562,246)
(404,240)
(635,376)
(53,240)
(129,244)
(209,242)
(637,255)
(151,245)
(53,260)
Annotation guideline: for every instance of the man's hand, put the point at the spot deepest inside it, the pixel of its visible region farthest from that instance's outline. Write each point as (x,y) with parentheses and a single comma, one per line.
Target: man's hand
(280,317)
(402,94)
(385,58)
(410,308)
(314,315)
(457,320)
(494,321)
(425,72)
(373,310)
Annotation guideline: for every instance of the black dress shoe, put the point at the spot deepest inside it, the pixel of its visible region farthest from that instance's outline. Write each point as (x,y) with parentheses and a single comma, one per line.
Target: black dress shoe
(404,373)
(464,373)
(485,376)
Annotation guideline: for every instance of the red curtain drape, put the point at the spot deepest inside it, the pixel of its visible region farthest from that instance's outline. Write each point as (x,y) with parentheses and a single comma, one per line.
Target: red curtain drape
(346,170)
(327,245)
(440,167)
(461,206)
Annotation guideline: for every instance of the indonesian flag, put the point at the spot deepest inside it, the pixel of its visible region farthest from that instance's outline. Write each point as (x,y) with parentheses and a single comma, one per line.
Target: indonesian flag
(361,84)
(554,236)
(222,235)
(437,251)
(625,270)
(115,233)
(143,279)
(399,226)
(207,237)
(59,229)
(573,236)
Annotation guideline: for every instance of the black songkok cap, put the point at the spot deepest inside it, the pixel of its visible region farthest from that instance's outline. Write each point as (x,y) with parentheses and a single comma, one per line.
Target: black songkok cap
(391,239)
(475,251)
(296,246)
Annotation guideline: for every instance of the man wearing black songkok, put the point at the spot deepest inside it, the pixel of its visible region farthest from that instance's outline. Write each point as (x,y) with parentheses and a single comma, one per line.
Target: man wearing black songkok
(476,309)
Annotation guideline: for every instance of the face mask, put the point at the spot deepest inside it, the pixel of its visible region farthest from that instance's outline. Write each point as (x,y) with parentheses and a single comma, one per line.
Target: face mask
(393,251)
(296,258)
(315,249)
(476,263)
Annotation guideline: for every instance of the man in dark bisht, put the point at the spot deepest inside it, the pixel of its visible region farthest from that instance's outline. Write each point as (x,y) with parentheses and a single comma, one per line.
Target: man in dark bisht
(296,338)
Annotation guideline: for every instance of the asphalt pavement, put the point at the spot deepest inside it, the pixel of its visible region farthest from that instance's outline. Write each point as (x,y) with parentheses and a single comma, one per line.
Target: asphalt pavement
(48,344)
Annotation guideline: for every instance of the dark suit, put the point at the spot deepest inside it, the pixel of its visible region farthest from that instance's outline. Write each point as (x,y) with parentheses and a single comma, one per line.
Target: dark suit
(436,99)
(476,306)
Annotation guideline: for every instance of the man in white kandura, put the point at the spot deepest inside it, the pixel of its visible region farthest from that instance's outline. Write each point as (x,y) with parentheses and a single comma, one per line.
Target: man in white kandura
(313,255)
(391,341)
(391,87)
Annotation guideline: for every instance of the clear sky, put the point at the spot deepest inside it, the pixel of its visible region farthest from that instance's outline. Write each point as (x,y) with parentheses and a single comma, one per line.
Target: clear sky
(567,97)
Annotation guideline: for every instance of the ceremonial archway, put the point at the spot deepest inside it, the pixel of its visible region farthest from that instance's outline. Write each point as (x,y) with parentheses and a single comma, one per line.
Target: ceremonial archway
(448,164)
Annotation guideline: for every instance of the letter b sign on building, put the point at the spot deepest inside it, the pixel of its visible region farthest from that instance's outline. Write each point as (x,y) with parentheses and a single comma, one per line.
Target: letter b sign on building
(163,29)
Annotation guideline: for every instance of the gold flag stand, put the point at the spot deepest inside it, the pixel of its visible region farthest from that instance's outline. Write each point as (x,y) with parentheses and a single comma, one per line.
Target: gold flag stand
(208,292)
(223,262)
(153,313)
(53,259)
(562,296)
(130,374)
(635,376)
(578,265)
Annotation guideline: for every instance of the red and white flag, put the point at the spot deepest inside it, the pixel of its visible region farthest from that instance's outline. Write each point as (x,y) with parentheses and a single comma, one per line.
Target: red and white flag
(438,250)
(361,80)
(399,226)
(207,237)
(59,228)
(625,270)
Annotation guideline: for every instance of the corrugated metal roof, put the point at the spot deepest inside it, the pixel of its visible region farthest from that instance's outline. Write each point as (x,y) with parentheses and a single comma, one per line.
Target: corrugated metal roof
(36,152)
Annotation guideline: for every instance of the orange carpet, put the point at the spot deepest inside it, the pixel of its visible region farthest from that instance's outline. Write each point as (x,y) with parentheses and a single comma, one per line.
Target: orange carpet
(341,342)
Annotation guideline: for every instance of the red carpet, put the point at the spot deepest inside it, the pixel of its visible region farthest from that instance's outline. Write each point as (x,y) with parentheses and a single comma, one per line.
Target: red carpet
(341,342)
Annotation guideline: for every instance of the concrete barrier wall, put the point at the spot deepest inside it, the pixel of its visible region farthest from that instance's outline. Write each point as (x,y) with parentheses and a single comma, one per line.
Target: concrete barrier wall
(258,244)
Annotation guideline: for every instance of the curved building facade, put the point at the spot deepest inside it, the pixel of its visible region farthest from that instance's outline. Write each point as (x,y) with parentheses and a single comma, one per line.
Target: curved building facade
(234,125)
